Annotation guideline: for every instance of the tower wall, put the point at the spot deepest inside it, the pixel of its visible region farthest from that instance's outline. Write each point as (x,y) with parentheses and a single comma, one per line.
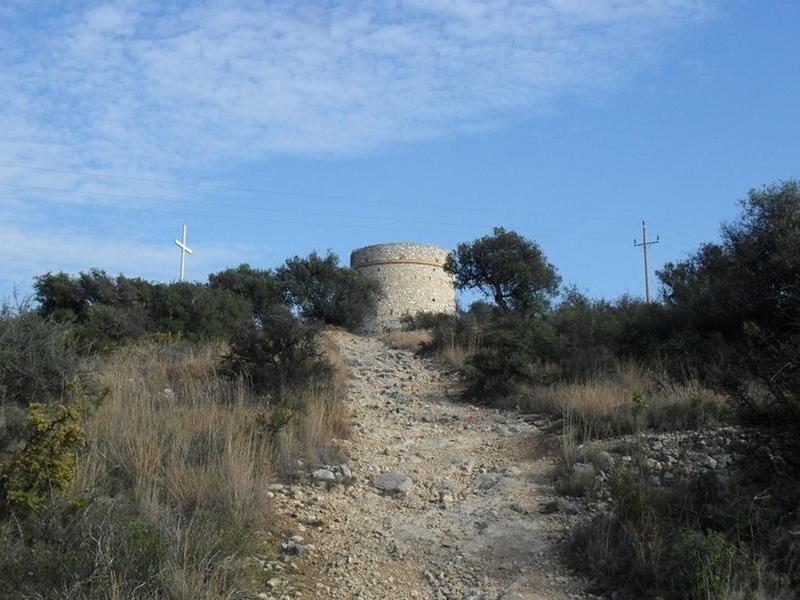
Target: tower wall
(412,279)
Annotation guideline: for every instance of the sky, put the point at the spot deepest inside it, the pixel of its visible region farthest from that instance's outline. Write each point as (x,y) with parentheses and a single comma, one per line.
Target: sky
(272,129)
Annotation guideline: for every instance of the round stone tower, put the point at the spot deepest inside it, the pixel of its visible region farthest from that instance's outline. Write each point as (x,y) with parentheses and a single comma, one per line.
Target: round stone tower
(412,278)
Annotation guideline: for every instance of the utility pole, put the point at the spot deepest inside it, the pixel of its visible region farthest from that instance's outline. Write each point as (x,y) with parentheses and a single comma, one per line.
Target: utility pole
(184,250)
(644,244)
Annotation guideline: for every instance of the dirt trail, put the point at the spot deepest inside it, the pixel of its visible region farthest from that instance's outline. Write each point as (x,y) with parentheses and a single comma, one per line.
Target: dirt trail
(470,526)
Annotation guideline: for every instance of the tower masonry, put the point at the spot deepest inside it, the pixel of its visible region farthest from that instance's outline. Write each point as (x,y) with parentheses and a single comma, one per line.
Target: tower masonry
(412,279)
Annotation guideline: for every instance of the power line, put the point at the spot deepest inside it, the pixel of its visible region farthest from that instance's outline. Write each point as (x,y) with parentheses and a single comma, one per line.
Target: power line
(228,217)
(266,191)
(177,201)
(207,203)
(165,181)
(421,225)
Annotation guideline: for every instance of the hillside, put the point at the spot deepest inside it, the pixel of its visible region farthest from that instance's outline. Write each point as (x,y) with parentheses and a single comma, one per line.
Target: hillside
(460,516)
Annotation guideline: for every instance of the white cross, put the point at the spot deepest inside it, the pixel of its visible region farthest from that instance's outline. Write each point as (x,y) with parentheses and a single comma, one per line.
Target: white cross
(184,249)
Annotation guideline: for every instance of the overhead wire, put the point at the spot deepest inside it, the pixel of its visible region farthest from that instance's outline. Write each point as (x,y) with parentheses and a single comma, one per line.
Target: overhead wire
(417,223)
(455,227)
(203,202)
(217,216)
(267,191)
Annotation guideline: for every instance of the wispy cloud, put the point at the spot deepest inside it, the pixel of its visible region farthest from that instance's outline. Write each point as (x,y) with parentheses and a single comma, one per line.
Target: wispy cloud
(179,89)
(25,250)
(177,83)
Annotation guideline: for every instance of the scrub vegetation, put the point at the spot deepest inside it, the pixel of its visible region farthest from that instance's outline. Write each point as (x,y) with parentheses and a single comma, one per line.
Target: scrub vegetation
(141,423)
(720,345)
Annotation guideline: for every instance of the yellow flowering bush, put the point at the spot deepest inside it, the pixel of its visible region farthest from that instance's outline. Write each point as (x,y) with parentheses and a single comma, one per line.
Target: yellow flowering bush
(45,462)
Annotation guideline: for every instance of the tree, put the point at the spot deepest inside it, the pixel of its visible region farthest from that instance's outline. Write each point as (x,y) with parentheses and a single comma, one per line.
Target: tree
(742,295)
(752,275)
(37,357)
(508,268)
(323,291)
(197,311)
(260,286)
(106,311)
(59,296)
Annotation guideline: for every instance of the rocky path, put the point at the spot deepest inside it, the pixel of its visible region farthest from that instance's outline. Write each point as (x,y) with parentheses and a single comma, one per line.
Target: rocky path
(444,499)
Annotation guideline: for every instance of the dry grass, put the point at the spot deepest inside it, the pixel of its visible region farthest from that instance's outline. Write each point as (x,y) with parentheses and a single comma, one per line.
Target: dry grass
(311,438)
(450,354)
(455,357)
(184,445)
(192,453)
(408,340)
(628,400)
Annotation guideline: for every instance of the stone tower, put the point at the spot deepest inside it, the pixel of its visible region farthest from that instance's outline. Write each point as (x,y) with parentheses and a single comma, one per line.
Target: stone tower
(412,278)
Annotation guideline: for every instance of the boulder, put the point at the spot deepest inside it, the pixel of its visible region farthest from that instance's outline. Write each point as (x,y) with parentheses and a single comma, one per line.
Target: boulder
(603,461)
(393,482)
(583,470)
(323,475)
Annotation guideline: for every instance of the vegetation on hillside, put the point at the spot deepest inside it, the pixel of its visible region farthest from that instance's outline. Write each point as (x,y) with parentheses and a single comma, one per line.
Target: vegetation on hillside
(722,343)
(507,268)
(322,291)
(104,311)
(140,424)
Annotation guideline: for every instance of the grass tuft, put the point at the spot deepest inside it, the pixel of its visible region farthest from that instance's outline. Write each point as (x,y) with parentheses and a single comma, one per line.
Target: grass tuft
(170,494)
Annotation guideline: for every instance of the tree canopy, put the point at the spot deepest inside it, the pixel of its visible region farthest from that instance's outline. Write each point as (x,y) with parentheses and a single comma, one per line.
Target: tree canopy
(751,276)
(323,291)
(508,268)
(260,286)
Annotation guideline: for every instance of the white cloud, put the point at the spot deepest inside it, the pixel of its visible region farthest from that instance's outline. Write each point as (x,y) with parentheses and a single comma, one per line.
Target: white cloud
(165,90)
(26,252)
(180,83)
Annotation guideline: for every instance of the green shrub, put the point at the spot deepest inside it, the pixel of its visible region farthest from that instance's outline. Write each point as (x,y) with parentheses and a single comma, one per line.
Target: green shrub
(517,351)
(106,326)
(196,311)
(579,340)
(713,535)
(701,565)
(37,357)
(323,291)
(633,502)
(261,287)
(106,311)
(100,550)
(465,329)
(277,353)
(738,301)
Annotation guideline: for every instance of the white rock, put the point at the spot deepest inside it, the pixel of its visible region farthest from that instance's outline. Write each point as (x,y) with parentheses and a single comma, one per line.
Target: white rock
(603,461)
(583,469)
(323,475)
(709,462)
(393,482)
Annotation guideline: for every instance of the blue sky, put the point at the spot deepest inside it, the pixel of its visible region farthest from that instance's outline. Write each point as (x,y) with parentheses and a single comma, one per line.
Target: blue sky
(276,128)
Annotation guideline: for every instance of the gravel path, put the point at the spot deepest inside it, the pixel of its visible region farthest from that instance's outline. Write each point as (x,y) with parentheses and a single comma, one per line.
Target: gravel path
(458,515)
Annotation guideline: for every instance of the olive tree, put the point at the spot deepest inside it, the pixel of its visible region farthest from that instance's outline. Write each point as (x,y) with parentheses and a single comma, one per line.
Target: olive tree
(321,290)
(508,268)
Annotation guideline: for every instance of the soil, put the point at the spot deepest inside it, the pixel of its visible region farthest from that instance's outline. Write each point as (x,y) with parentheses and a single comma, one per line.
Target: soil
(469,524)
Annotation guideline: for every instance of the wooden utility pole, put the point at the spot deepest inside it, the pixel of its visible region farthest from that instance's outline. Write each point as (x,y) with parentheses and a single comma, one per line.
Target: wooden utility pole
(644,244)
